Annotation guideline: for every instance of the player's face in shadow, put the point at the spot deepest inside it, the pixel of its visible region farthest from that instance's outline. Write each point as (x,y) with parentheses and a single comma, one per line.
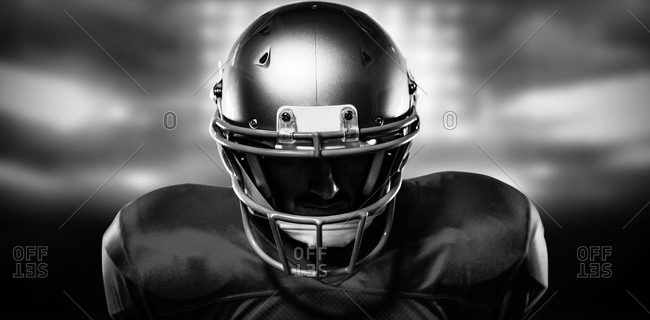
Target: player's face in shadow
(317,187)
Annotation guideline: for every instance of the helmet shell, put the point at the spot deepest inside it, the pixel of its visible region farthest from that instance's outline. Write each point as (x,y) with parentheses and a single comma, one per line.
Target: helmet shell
(314,54)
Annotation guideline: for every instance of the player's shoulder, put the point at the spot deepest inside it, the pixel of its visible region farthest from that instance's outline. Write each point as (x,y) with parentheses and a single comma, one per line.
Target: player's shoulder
(177,205)
(469,196)
(175,233)
(479,224)
(471,189)
(172,209)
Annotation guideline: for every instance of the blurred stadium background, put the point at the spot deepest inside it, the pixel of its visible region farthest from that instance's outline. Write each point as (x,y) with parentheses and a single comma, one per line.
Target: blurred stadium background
(564,119)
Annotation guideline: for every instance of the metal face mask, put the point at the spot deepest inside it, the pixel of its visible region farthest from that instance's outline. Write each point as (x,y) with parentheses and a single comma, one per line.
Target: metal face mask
(315,81)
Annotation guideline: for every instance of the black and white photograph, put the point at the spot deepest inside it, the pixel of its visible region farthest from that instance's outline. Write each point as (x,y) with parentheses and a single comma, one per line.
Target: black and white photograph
(347,159)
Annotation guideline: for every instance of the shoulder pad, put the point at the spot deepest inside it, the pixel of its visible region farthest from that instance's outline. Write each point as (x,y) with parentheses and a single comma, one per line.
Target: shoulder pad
(173,239)
(477,224)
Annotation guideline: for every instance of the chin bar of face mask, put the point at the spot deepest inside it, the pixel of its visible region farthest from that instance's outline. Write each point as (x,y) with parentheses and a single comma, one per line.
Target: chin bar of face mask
(248,205)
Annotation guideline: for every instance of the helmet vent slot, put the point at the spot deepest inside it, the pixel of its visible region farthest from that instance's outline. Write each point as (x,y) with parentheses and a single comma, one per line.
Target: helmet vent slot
(264,57)
(366,58)
(365,28)
(264,30)
(264,60)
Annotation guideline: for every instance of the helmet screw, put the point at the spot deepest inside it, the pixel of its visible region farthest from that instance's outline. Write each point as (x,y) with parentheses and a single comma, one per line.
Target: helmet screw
(379,121)
(217,90)
(253,123)
(285,116)
(348,115)
(412,87)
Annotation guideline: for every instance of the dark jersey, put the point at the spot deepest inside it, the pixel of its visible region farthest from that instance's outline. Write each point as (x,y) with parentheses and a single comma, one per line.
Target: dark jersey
(462,246)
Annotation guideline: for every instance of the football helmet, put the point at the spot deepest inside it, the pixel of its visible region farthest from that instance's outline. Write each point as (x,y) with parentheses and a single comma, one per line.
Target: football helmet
(314,80)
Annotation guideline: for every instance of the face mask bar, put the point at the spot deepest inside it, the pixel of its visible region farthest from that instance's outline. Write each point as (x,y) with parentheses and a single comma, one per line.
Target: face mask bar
(400,134)
(252,202)
(248,205)
(222,131)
